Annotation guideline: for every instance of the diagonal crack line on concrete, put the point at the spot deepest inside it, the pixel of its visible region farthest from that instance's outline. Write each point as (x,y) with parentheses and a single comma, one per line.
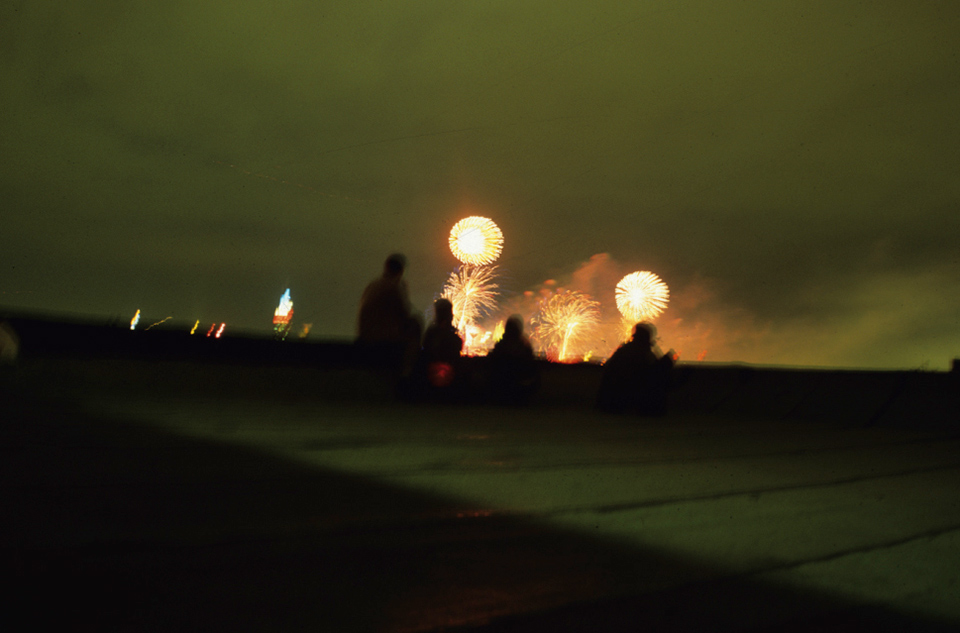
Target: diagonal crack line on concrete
(712,580)
(619,463)
(928,534)
(622,507)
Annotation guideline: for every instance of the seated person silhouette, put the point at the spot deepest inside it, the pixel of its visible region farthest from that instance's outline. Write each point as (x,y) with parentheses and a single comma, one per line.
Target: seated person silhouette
(438,368)
(635,379)
(513,375)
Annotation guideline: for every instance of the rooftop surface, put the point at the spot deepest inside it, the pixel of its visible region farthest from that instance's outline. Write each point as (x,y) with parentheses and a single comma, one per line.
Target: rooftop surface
(150,496)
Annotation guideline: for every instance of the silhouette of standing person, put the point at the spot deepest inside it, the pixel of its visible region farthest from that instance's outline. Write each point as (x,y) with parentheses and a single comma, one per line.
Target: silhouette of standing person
(386,331)
(513,370)
(635,378)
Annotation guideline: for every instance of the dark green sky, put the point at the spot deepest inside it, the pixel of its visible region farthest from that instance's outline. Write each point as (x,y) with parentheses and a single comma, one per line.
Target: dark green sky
(791,169)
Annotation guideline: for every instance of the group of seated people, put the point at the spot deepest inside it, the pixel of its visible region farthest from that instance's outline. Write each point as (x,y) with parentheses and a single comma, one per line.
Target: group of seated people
(507,375)
(635,378)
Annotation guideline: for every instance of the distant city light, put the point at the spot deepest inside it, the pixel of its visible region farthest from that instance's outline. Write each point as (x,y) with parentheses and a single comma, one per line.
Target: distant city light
(282,316)
(285,308)
(194,328)
(135,320)
(158,322)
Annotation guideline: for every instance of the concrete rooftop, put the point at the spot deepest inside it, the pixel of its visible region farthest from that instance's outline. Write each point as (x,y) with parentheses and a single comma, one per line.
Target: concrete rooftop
(139,497)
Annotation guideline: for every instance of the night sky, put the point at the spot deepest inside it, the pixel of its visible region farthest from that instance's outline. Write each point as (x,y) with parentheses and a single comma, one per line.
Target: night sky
(791,169)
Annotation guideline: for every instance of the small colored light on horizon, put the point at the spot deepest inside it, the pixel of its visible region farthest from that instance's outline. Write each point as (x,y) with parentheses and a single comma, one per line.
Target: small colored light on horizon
(158,322)
(285,310)
(282,316)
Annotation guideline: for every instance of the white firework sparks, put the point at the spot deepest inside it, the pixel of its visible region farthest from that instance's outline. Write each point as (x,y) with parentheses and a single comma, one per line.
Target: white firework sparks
(564,320)
(642,296)
(472,292)
(475,240)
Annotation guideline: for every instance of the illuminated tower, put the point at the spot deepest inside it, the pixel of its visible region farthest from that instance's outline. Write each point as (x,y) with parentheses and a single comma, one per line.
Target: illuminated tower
(282,316)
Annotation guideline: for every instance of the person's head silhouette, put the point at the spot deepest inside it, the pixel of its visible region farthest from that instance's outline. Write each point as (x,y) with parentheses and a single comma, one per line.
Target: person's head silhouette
(395,265)
(443,312)
(513,328)
(644,334)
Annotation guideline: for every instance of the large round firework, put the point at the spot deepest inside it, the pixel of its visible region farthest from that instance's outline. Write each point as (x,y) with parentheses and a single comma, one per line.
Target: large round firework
(642,296)
(476,241)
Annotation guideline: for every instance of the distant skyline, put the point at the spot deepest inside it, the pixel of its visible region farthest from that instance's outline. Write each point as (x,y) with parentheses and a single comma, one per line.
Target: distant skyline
(790,169)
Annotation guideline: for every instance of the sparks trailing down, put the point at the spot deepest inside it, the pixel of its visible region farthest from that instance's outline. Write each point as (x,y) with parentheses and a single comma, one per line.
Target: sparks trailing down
(563,321)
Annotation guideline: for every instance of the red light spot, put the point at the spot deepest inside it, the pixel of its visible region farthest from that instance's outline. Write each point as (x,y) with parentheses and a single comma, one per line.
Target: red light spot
(440,374)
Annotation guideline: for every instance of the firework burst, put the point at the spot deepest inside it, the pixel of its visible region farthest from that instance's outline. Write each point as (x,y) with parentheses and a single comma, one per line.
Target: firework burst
(642,296)
(565,320)
(472,292)
(475,240)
